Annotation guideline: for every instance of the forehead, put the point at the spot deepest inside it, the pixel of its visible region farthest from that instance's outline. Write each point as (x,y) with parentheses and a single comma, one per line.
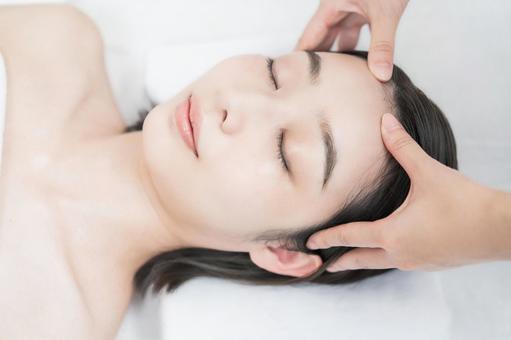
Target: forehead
(353,101)
(349,72)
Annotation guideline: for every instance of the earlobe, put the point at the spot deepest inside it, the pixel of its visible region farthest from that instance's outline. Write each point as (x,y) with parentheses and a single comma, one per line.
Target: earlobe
(279,260)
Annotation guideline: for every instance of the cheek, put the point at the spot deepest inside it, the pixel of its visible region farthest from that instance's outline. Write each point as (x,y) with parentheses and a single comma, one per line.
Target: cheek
(172,167)
(236,195)
(235,199)
(228,194)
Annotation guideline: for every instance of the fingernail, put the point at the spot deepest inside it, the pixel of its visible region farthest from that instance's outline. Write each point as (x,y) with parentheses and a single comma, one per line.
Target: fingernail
(390,122)
(383,70)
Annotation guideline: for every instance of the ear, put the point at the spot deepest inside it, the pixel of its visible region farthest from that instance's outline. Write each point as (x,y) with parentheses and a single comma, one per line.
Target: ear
(279,260)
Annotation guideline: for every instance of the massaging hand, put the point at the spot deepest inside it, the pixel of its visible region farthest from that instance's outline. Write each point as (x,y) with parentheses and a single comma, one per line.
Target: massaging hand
(446,219)
(343,19)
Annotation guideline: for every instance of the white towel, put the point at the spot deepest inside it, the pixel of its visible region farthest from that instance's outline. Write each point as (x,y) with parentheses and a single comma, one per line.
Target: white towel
(172,67)
(395,305)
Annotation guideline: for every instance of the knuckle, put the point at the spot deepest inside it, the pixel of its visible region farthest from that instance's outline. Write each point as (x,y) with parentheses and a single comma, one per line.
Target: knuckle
(341,238)
(383,47)
(401,142)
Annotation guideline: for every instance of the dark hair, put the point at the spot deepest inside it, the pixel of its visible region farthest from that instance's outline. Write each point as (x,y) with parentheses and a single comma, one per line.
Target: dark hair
(425,123)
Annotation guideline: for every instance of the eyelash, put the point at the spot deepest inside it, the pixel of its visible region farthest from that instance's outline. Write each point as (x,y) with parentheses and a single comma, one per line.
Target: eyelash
(280,136)
(269,64)
(280,154)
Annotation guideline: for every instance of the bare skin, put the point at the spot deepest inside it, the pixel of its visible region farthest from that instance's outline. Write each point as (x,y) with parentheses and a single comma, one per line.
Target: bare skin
(59,107)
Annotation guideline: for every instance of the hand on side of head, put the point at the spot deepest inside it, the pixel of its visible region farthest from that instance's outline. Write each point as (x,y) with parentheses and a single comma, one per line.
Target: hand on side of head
(442,223)
(342,20)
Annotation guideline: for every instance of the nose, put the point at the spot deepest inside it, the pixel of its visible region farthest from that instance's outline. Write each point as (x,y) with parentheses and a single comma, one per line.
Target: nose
(256,110)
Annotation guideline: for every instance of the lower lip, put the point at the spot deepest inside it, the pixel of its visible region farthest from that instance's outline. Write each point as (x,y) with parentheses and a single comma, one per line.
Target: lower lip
(183,124)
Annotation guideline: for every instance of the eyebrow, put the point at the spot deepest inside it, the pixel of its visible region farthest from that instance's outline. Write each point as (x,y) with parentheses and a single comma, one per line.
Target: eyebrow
(314,66)
(330,150)
(324,124)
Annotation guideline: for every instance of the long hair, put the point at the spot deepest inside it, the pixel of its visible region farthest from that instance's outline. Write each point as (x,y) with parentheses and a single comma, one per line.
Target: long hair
(425,123)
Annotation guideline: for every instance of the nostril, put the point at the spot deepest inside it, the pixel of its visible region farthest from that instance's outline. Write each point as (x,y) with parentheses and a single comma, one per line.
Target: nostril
(225,116)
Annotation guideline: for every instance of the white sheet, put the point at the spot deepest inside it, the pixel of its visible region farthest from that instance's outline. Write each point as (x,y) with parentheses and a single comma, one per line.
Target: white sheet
(396,305)
(163,78)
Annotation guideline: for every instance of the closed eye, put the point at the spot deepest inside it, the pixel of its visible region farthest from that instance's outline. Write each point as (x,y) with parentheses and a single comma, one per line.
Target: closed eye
(269,64)
(280,135)
(280,150)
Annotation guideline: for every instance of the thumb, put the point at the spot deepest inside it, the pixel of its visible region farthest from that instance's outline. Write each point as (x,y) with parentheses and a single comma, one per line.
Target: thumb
(381,50)
(404,149)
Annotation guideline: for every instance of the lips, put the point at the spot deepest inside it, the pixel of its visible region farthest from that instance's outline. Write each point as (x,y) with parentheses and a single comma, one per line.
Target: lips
(185,126)
(196,121)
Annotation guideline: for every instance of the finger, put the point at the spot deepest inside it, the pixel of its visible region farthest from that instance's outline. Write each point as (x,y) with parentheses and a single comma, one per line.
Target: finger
(350,32)
(404,149)
(381,49)
(361,258)
(347,38)
(318,27)
(355,234)
(326,44)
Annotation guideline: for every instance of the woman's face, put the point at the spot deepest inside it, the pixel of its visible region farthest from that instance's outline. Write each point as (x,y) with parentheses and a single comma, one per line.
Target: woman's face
(238,187)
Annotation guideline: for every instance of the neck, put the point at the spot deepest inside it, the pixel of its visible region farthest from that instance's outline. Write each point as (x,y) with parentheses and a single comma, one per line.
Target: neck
(114,214)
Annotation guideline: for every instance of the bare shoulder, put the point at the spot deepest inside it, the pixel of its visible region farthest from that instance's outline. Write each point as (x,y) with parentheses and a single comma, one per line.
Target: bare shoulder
(41,30)
(56,76)
(48,48)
